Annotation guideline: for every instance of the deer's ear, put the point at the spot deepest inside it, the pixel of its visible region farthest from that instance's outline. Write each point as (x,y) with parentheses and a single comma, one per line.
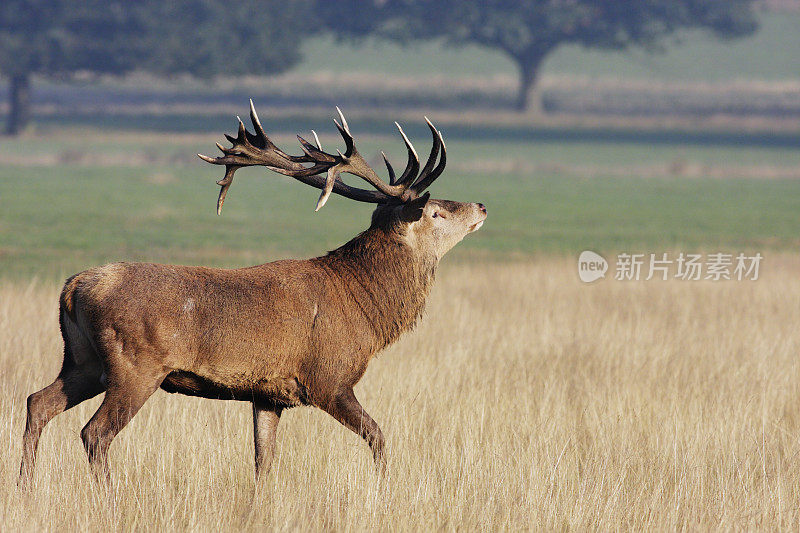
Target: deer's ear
(412,210)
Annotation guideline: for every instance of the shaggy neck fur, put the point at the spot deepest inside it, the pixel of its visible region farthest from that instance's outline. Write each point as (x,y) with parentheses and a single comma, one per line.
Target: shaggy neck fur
(386,277)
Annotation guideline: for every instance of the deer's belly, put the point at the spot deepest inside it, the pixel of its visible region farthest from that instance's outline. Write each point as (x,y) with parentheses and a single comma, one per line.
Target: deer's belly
(283,392)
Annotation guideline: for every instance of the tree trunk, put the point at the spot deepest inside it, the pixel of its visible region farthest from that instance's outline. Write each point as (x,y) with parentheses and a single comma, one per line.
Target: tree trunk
(19,112)
(529,97)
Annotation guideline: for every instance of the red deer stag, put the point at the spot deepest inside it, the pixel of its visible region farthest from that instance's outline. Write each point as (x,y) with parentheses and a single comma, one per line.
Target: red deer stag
(278,335)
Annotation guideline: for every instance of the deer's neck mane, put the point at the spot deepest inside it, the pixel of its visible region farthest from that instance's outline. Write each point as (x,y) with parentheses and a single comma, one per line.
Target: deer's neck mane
(388,279)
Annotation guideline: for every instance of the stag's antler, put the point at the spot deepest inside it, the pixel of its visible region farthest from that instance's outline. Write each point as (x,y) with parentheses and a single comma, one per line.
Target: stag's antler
(251,149)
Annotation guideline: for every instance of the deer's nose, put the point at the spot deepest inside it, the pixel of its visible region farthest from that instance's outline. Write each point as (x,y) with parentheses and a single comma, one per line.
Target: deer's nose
(482,208)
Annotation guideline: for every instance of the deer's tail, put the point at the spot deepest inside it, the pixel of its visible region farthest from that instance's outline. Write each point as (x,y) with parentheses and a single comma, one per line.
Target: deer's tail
(67,299)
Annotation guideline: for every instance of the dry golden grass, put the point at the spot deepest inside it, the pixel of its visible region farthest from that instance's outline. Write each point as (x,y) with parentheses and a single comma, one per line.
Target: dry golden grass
(525,400)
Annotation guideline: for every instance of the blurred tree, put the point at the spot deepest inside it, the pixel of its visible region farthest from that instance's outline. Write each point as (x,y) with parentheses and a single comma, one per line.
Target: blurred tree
(207,38)
(529,30)
(58,38)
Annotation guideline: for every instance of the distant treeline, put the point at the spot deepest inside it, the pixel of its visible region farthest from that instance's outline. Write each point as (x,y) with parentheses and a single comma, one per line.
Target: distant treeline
(559,96)
(212,38)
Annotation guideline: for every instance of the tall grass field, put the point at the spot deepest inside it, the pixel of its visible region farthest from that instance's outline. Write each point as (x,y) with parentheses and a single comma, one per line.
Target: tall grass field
(524,400)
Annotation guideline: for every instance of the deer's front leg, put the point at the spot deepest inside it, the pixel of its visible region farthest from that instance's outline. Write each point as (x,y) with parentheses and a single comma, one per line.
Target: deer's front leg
(346,409)
(265,427)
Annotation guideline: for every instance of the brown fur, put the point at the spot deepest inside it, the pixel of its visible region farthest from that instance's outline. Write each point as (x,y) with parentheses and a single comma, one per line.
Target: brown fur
(67,302)
(278,335)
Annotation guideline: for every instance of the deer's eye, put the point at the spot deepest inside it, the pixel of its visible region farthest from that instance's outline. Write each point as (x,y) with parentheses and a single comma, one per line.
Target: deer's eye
(435,214)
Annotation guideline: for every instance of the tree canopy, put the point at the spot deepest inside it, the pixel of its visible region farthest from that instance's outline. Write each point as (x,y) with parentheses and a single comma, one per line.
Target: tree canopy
(212,37)
(57,38)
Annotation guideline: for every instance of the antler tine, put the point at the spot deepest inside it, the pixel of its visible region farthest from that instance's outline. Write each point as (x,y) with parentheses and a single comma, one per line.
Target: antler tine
(225,184)
(349,142)
(242,134)
(433,155)
(429,173)
(330,181)
(260,138)
(319,144)
(389,169)
(344,120)
(410,173)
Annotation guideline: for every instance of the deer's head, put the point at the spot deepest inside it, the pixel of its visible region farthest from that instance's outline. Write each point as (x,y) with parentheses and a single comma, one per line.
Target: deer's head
(403,206)
(429,224)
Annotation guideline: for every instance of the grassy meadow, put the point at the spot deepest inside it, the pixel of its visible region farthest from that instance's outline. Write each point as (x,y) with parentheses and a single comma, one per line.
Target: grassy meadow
(525,399)
(76,199)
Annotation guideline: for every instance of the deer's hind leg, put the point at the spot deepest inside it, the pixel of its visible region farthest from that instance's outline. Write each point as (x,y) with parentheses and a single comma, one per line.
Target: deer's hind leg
(78,381)
(133,372)
(126,392)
